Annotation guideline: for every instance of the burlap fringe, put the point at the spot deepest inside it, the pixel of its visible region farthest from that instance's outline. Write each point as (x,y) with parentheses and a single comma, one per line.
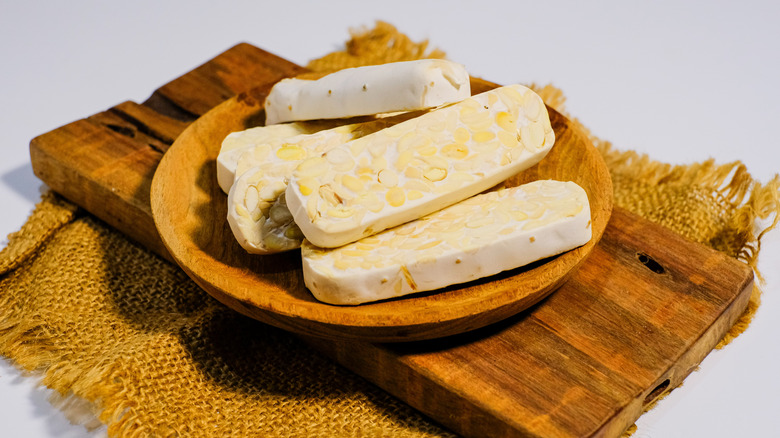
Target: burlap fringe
(90,398)
(79,395)
(754,202)
(34,350)
(82,396)
(51,213)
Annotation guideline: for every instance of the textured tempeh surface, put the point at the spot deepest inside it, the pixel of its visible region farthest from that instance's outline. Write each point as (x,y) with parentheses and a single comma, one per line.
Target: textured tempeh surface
(475,238)
(419,166)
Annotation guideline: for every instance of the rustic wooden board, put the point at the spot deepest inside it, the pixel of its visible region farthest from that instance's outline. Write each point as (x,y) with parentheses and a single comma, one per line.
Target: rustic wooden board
(643,310)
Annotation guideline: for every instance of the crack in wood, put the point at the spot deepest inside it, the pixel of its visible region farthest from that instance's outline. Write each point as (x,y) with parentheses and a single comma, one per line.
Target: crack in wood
(169,108)
(124,130)
(142,127)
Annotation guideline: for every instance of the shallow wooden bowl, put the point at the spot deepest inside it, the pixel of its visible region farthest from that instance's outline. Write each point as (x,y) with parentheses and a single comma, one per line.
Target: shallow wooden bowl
(190,214)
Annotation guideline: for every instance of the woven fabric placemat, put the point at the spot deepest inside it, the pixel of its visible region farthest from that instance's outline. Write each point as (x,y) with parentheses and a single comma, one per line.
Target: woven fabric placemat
(126,339)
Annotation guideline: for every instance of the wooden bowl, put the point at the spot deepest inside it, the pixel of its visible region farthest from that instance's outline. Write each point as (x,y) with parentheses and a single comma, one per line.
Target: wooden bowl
(190,212)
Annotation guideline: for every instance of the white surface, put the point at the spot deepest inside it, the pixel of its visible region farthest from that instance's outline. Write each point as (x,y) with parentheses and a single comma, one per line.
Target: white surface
(683,81)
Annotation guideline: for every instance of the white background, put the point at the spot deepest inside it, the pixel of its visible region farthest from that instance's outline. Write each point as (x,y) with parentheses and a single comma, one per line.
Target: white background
(681,81)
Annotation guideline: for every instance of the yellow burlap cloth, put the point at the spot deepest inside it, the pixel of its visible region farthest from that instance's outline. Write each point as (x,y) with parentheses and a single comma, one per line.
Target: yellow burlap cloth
(112,327)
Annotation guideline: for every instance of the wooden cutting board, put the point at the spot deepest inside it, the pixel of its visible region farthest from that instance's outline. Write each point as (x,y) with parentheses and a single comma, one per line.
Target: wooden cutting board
(642,312)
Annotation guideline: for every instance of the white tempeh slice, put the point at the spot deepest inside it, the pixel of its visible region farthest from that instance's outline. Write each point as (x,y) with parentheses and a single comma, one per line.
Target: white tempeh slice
(476,238)
(236,143)
(385,88)
(418,166)
(260,223)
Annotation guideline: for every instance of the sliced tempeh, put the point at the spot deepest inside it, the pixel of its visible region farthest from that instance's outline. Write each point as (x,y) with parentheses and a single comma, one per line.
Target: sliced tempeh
(259,222)
(418,166)
(476,238)
(236,143)
(375,89)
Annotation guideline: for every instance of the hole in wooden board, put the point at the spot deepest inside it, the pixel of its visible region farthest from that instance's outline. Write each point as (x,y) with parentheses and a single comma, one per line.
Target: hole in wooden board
(650,263)
(656,393)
